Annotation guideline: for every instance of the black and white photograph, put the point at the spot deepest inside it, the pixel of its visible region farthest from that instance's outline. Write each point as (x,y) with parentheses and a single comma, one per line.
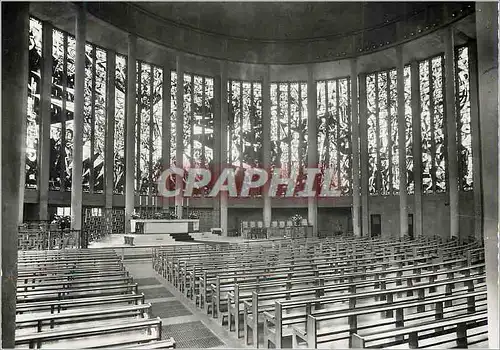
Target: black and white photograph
(250,174)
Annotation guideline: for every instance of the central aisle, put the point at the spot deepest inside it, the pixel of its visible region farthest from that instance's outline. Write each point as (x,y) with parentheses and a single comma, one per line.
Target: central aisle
(180,319)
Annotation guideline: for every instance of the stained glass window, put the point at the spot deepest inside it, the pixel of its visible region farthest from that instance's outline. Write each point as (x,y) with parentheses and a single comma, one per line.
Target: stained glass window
(245,123)
(62,115)
(99,123)
(289,126)
(156,127)
(464,119)
(173,117)
(383,149)
(432,125)
(59,45)
(33,113)
(148,127)
(94,119)
(88,112)
(410,179)
(334,131)
(119,132)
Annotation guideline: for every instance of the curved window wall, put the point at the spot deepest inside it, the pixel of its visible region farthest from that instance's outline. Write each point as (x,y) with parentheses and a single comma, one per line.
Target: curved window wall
(288,122)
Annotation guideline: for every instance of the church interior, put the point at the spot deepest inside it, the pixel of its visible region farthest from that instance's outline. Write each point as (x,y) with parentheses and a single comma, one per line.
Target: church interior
(326,177)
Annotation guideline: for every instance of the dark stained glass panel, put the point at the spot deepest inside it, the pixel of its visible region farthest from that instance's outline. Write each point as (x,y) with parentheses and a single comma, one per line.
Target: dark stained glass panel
(119,132)
(465,168)
(33,112)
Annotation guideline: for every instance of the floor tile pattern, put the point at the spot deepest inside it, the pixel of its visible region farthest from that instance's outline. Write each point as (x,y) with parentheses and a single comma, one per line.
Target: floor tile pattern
(155,293)
(169,309)
(191,335)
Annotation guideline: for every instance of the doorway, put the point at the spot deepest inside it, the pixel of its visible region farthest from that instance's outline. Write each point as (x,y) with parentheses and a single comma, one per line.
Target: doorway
(376,225)
(410,226)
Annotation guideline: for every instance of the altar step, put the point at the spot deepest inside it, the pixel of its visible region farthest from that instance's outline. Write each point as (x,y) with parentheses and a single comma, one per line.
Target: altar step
(181,237)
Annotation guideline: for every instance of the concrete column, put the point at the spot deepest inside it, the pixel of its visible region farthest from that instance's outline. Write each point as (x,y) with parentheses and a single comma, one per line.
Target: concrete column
(220,95)
(15,33)
(109,141)
(110,129)
(363,141)
(451,127)
(219,138)
(166,132)
(476,140)
(179,147)
(45,117)
(266,143)
(356,193)
(312,145)
(487,70)
(403,193)
(130,130)
(417,149)
(76,183)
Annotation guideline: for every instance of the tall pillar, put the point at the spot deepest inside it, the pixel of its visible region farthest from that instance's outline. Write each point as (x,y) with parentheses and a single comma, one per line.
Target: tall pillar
(403,194)
(476,141)
(219,138)
(312,145)
(363,141)
(130,130)
(166,128)
(221,98)
(110,129)
(266,143)
(15,33)
(356,195)
(487,70)
(76,183)
(45,119)
(417,149)
(109,152)
(179,147)
(451,127)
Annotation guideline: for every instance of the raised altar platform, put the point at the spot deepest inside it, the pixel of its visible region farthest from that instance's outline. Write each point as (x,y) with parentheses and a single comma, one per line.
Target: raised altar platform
(148,226)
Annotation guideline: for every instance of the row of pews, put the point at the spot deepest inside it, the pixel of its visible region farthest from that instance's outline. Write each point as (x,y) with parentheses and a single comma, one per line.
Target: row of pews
(337,292)
(81,298)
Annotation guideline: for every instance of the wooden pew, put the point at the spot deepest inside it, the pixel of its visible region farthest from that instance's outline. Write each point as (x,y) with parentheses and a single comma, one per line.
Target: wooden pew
(39,322)
(173,269)
(59,294)
(40,280)
(242,292)
(413,334)
(206,290)
(256,311)
(60,305)
(72,283)
(152,326)
(313,333)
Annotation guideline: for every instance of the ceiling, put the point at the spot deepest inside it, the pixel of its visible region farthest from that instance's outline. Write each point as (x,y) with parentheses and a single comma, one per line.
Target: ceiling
(281,21)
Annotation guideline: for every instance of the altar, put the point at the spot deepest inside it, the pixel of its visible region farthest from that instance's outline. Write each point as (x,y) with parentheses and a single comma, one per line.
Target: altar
(146,226)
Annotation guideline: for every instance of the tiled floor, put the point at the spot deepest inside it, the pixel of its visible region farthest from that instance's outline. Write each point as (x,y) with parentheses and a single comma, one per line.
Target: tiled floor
(189,327)
(192,335)
(155,293)
(168,309)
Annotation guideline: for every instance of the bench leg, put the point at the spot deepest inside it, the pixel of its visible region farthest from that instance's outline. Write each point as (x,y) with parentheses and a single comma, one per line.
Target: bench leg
(462,336)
